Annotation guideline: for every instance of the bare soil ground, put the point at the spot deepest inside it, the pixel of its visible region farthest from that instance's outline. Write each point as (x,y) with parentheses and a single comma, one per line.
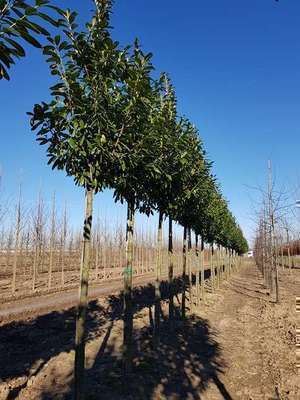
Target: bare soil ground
(39,305)
(236,345)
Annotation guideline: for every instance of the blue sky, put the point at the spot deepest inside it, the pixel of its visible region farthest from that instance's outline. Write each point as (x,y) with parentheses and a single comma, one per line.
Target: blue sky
(236,68)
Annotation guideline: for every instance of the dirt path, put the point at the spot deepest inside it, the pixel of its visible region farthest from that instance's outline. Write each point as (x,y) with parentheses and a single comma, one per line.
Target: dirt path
(257,338)
(32,306)
(236,346)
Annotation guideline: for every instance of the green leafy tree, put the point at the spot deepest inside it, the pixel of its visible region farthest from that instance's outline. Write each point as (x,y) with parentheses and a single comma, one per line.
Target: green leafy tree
(162,189)
(134,167)
(80,126)
(192,193)
(172,164)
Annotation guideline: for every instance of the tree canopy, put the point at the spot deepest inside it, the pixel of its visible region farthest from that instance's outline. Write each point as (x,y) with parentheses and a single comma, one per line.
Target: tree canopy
(110,123)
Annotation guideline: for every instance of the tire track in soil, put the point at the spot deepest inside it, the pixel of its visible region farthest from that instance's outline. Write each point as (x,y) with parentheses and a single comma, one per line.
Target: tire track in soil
(252,350)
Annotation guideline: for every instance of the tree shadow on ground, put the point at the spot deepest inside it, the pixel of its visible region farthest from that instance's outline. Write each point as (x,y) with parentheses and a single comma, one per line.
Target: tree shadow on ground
(26,346)
(186,360)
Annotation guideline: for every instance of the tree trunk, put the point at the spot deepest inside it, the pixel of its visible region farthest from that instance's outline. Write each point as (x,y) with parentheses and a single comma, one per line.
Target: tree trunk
(63,247)
(104,260)
(289,258)
(97,259)
(212,269)
(171,267)
(197,270)
(157,280)
(224,263)
(50,267)
(218,266)
(183,272)
(227,263)
(35,262)
(128,312)
(52,242)
(275,267)
(83,293)
(17,240)
(189,265)
(38,231)
(221,264)
(202,270)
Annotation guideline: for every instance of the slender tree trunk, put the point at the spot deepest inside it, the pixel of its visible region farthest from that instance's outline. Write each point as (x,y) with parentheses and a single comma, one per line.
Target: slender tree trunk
(50,267)
(9,248)
(142,257)
(263,261)
(189,265)
(128,312)
(197,270)
(83,293)
(38,232)
(35,263)
(219,266)
(224,263)
(120,257)
(17,240)
(137,256)
(97,255)
(216,266)
(104,260)
(22,259)
(171,267)
(52,241)
(275,265)
(228,263)
(202,270)
(184,272)
(212,268)
(15,265)
(63,247)
(61,262)
(157,280)
(276,277)
(289,258)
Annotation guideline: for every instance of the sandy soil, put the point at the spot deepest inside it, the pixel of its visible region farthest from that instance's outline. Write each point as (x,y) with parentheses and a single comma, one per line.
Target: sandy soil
(237,345)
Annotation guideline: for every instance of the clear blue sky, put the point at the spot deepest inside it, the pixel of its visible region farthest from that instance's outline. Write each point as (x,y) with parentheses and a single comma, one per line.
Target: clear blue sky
(236,67)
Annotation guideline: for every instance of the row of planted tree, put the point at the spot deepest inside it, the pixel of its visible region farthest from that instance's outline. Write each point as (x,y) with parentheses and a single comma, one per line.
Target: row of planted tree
(272,254)
(273,246)
(40,250)
(112,124)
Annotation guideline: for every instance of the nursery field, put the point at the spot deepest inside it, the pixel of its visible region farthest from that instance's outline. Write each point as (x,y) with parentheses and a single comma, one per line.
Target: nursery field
(130,271)
(234,344)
